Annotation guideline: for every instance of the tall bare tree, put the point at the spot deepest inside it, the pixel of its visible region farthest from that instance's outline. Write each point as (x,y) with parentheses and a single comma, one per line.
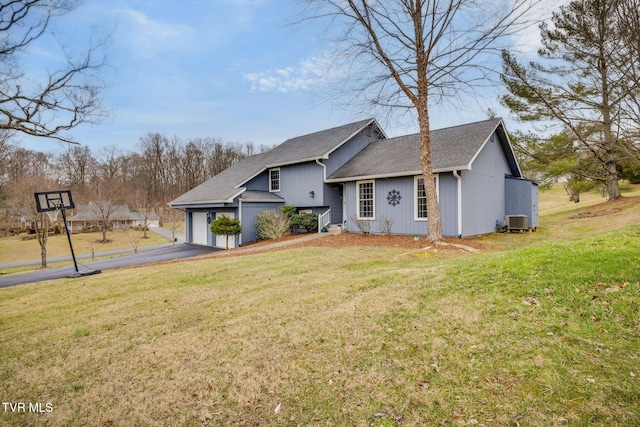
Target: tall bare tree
(420,52)
(54,102)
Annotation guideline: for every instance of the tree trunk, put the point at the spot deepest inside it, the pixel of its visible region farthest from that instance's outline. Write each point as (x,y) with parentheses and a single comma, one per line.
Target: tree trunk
(611,177)
(434,223)
(42,233)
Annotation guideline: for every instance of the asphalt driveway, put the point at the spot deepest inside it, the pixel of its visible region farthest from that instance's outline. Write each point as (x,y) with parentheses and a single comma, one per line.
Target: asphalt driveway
(165,253)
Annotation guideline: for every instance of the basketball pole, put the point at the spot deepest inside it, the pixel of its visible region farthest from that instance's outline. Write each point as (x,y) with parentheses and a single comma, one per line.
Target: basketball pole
(73,255)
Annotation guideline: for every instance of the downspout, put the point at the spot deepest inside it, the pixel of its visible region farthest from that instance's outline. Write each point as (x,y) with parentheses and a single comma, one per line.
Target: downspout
(459,179)
(324,176)
(240,218)
(324,170)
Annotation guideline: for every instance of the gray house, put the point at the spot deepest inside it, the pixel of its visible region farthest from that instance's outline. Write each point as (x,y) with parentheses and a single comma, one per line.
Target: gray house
(353,173)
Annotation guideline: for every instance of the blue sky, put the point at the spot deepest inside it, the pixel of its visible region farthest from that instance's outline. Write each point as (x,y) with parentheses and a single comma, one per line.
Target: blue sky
(240,70)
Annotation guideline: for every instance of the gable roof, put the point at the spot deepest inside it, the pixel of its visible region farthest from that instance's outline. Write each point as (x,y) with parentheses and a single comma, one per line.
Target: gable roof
(453,148)
(227,185)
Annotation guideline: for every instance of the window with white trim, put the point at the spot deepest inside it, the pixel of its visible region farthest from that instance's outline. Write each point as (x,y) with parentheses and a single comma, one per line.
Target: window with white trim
(366,199)
(420,198)
(274,179)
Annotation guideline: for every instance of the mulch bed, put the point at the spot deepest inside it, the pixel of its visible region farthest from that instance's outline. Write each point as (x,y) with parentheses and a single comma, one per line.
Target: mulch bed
(607,208)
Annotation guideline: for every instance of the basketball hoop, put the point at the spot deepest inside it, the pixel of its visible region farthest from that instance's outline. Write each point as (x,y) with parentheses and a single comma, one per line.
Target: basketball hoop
(53,216)
(52,202)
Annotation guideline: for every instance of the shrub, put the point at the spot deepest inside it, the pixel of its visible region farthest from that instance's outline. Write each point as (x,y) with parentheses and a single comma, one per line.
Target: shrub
(305,221)
(386,224)
(363,225)
(288,210)
(272,225)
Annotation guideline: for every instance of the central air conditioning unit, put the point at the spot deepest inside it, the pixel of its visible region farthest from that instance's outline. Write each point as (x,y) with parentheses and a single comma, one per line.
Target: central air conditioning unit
(516,222)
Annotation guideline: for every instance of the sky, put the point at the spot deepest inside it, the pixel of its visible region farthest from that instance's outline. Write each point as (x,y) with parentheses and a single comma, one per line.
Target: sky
(239,70)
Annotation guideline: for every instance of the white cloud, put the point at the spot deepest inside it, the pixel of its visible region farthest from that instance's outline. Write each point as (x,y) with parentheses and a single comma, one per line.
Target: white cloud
(309,74)
(147,36)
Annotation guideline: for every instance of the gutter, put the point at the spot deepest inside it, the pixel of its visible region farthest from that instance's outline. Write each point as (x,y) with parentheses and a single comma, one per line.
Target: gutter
(324,170)
(459,179)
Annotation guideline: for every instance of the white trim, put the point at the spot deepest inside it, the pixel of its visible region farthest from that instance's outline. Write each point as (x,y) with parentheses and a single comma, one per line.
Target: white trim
(394,175)
(436,177)
(271,190)
(373,193)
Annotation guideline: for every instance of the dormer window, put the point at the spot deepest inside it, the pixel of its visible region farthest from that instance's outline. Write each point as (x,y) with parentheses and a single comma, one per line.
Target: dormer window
(274,179)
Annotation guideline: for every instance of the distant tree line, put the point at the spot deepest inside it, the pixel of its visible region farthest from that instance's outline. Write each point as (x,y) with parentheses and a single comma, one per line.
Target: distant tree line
(157,170)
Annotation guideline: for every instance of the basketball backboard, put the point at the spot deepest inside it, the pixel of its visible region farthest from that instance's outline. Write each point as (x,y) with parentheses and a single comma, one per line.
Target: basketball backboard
(47,201)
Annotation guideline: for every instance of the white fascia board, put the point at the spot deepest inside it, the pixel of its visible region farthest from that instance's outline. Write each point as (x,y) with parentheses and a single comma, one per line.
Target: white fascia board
(394,175)
(210,202)
(294,162)
(261,200)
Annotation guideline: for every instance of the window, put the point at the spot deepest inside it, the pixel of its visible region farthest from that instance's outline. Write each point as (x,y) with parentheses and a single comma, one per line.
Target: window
(366,200)
(421,197)
(274,179)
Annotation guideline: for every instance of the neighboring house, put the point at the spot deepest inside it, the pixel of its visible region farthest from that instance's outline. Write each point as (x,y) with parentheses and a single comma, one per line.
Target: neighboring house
(353,173)
(120,216)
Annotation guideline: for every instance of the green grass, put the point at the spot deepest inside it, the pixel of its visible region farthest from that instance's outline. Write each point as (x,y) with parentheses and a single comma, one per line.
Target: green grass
(536,331)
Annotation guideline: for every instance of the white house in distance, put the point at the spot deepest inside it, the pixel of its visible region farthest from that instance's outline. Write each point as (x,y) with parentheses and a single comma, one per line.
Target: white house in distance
(355,173)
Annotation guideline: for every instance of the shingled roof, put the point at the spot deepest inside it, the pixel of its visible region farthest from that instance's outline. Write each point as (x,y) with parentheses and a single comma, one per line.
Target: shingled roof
(227,185)
(452,148)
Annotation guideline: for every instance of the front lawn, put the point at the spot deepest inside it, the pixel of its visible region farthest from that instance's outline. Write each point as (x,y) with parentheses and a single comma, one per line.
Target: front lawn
(538,335)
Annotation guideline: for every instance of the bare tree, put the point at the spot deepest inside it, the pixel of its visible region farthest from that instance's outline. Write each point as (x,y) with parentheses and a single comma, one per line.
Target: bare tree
(22,202)
(105,196)
(422,51)
(51,104)
(76,164)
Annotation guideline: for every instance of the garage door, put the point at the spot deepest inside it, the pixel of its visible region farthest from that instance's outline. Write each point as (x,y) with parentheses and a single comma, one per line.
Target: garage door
(199,228)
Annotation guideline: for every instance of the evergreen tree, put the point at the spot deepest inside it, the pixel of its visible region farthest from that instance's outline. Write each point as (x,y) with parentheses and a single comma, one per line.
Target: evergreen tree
(581,83)
(225,226)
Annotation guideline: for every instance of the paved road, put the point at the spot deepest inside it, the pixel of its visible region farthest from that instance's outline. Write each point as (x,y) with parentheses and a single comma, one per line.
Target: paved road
(165,253)
(145,255)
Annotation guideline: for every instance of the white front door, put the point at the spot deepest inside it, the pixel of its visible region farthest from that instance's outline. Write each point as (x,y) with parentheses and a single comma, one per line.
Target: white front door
(199,228)
(221,241)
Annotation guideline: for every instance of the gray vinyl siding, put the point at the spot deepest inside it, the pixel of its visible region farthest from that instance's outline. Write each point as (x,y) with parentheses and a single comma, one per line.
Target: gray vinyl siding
(448,200)
(297,181)
(345,152)
(483,191)
(403,214)
(259,183)
(249,218)
(522,199)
